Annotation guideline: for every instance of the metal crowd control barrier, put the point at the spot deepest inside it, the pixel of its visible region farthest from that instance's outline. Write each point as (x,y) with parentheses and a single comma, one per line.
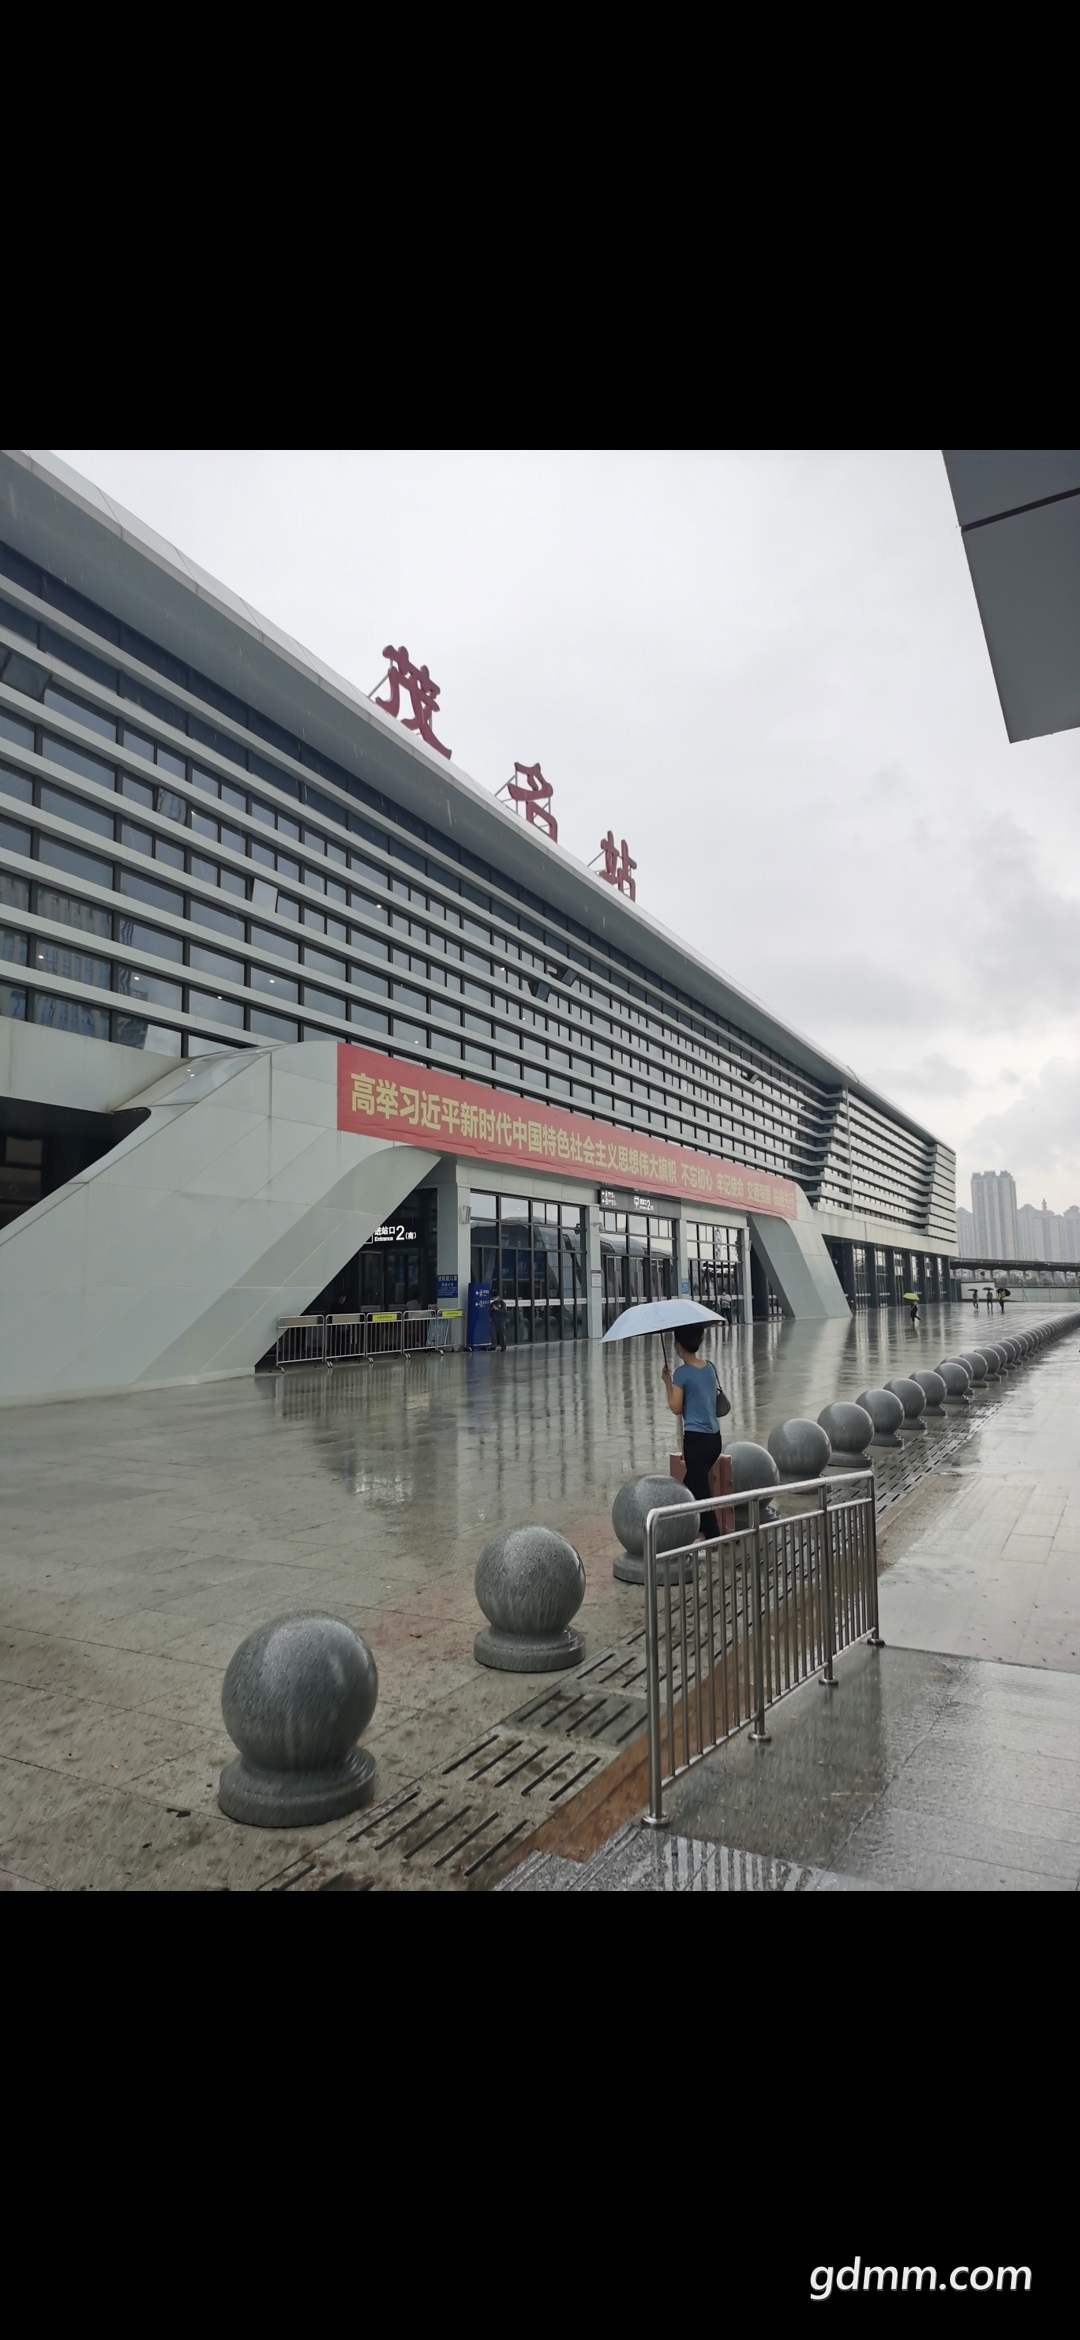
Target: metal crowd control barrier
(300,1341)
(733,1624)
(360,1339)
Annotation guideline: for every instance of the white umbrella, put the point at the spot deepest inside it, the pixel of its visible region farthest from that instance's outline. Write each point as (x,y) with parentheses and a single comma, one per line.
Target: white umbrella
(659,1316)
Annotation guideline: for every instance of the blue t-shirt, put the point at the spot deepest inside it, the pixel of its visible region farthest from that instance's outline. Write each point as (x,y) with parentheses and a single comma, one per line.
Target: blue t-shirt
(698,1385)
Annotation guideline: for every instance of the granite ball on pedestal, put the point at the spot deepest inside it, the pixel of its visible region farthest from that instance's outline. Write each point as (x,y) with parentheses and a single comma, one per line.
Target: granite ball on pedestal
(990,1359)
(799,1449)
(849,1430)
(934,1390)
(296,1696)
(752,1468)
(957,1381)
(886,1412)
(976,1365)
(529,1583)
(912,1397)
(629,1513)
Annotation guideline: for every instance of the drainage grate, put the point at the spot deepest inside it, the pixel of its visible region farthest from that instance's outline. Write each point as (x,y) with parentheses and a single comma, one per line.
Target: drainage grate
(585,1715)
(528,1767)
(455,1827)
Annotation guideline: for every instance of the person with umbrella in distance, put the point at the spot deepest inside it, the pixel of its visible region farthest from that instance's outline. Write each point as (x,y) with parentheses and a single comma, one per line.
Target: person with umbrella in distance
(695,1395)
(913,1297)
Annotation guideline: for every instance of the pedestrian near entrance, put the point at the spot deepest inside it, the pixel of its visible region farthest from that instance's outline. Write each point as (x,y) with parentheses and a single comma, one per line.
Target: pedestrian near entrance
(498,1320)
(975,1298)
(914,1312)
(694,1393)
(989,1298)
(1001,1298)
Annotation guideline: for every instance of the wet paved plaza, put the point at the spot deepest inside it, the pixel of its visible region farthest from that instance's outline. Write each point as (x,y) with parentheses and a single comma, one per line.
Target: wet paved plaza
(144,1536)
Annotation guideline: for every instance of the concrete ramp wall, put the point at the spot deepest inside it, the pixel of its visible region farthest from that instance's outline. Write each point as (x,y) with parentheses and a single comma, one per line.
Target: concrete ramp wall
(794,1255)
(172,1257)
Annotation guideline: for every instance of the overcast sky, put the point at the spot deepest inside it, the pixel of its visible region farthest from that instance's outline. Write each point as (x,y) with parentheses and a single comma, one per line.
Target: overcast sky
(767,672)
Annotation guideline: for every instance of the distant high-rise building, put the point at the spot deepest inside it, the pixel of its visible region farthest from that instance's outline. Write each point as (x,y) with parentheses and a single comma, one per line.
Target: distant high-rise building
(1051,1232)
(1046,1234)
(993,1208)
(1029,1231)
(965,1233)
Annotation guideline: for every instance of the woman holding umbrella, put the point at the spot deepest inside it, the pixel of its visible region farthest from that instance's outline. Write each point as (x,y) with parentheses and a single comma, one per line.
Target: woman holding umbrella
(694,1393)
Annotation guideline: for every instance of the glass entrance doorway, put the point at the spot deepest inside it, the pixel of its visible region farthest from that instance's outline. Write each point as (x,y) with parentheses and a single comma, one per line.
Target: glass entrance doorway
(532,1254)
(636,1255)
(396,1268)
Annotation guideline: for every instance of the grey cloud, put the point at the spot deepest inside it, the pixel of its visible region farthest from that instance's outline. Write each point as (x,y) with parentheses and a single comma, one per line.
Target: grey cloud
(1040,1132)
(766,670)
(935,1076)
(848,994)
(1027,945)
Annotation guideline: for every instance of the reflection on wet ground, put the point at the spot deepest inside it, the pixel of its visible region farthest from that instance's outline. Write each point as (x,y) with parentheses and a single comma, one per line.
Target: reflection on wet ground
(550,1434)
(146,1535)
(920,1773)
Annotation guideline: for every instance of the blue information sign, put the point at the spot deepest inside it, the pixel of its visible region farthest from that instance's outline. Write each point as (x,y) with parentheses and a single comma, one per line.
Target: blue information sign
(478,1331)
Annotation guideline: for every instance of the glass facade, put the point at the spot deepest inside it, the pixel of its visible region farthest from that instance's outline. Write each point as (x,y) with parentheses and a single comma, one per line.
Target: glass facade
(534,1255)
(712,1265)
(396,1268)
(180,874)
(636,1259)
(874,1277)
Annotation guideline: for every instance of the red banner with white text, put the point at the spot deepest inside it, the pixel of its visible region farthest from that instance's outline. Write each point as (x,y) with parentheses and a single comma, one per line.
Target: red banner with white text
(383,1095)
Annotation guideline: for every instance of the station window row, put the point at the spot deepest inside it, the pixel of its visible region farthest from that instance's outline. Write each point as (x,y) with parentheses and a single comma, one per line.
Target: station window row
(580,1019)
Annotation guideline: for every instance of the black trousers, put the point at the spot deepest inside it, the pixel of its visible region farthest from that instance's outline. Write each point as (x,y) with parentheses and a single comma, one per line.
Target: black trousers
(700,1450)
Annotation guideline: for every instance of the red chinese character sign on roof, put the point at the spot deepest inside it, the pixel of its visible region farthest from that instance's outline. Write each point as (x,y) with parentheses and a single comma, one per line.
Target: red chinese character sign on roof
(616,871)
(423,694)
(535,793)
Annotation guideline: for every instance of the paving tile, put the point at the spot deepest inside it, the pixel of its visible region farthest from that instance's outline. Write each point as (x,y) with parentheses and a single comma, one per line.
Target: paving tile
(919,1851)
(145,1536)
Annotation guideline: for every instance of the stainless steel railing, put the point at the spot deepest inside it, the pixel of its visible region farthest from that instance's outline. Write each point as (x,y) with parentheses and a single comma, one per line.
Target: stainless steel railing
(732,1624)
(360,1339)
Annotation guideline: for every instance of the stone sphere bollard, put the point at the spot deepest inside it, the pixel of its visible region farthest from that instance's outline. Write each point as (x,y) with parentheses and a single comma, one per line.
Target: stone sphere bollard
(886,1412)
(529,1583)
(849,1430)
(990,1359)
(1013,1349)
(799,1449)
(752,1467)
(912,1397)
(933,1389)
(629,1513)
(957,1381)
(296,1696)
(976,1365)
